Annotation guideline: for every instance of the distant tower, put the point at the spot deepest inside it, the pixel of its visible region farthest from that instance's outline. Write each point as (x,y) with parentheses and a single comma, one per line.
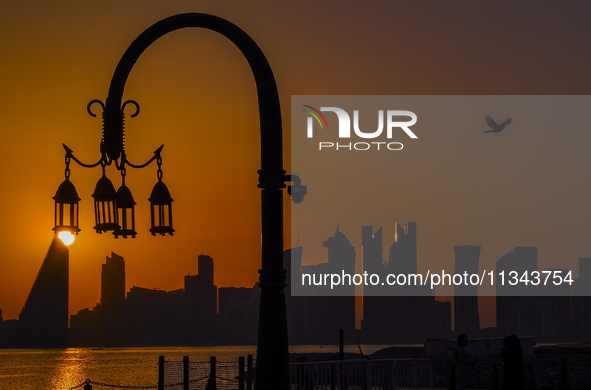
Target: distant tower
(377,309)
(371,247)
(112,299)
(554,310)
(208,292)
(341,254)
(403,252)
(466,316)
(238,324)
(200,304)
(44,319)
(113,281)
(339,311)
(516,312)
(205,270)
(398,314)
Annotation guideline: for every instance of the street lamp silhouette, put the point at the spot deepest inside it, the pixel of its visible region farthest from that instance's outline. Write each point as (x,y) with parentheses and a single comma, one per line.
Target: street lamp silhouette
(66,208)
(114,210)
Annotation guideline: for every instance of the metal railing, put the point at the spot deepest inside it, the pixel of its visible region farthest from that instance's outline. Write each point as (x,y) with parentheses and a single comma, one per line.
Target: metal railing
(358,374)
(362,374)
(211,375)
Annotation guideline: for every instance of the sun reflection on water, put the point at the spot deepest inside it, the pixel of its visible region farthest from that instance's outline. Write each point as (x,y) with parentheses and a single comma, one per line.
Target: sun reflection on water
(71,368)
(53,369)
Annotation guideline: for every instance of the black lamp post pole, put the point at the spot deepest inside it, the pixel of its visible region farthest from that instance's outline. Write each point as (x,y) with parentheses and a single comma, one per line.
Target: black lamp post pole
(272,349)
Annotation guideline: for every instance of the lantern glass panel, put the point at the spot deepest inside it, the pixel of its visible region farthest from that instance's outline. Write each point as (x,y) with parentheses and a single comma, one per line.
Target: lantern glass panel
(164,213)
(66,217)
(105,216)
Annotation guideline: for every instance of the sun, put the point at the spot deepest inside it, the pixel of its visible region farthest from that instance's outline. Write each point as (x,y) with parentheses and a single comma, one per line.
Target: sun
(66,237)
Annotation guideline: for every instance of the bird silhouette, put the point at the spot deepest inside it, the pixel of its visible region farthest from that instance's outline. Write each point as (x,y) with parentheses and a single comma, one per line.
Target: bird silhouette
(494,128)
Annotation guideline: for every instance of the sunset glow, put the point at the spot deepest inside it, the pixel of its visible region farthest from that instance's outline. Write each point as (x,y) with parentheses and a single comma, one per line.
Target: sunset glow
(198,98)
(66,237)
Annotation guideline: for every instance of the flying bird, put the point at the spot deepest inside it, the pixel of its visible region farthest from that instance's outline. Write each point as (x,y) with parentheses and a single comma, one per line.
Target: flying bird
(494,128)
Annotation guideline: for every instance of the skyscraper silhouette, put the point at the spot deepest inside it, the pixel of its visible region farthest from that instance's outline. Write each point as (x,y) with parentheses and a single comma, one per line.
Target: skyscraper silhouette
(516,312)
(403,251)
(371,249)
(339,311)
(398,313)
(236,320)
(44,319)
(317,319)
(341,258)
(378,310)
(112,300)
(383,316)
(466,316)
(200,303)
(554,310)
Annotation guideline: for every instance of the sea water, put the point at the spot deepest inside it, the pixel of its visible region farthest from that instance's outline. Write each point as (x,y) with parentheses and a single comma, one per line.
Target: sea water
(62,369)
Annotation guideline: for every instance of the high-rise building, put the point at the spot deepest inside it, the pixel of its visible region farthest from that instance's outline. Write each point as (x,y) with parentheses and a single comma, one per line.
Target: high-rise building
(403,251)
(201,304)
(112,300)
(516,312)
(371,249)
(205,270)
(338,312)
(44,319)
(554,310)
(379,311)
(466,316)
(314,318)
(113,281)
(147,317)
(237,320)
(394,313)
(341,259)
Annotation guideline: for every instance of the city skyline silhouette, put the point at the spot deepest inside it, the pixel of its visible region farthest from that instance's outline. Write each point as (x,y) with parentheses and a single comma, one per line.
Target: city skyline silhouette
(460,186)
(201,313)
(197,98)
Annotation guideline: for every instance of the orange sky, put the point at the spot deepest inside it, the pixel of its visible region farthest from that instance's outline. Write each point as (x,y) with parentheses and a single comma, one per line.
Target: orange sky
(197,97)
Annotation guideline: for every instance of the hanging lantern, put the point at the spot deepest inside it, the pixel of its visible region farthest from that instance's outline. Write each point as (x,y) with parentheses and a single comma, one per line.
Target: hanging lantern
(161,210)
(105,203)
(66,208)
(125,213)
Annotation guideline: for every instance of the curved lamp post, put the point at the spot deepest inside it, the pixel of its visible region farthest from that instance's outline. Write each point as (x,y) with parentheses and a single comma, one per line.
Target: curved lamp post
(114,210)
